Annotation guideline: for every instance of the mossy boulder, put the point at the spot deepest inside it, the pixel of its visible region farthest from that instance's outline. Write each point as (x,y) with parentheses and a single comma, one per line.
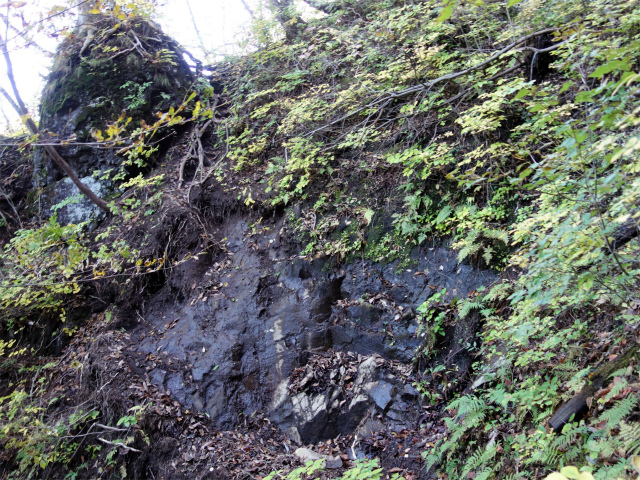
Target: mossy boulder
(116,69)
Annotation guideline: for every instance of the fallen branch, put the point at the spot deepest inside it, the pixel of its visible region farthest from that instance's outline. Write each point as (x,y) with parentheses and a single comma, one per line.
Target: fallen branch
(130,449)
(576,408)
(623,235)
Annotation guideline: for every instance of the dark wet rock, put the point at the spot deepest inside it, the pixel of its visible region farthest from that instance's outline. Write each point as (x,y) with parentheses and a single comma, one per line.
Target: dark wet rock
(382,394)
(409,393)
(365,313)
(323,350)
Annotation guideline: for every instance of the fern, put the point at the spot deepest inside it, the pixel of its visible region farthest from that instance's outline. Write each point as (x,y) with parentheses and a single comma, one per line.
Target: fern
(471,412)
(630,435)
(480,458)
(484,474)
(620,410)
(488,254)
(466,306)
(467,404)
(501,291)
(567,367)
(497,234)
(616,389)
(609,472)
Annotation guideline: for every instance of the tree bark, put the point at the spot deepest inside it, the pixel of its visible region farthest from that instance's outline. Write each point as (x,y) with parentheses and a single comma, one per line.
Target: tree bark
(20,107)
(290,21)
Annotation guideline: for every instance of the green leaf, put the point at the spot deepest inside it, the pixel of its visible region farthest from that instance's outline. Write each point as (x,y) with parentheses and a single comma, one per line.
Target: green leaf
(444,214)
(513,2)
(368,215)
(565,86)
(612,66)
(446,12)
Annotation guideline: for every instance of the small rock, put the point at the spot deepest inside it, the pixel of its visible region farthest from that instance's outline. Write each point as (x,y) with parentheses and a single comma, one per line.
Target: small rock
(305,455)
(409,393)
(294,435)
(333,462)
(382,394)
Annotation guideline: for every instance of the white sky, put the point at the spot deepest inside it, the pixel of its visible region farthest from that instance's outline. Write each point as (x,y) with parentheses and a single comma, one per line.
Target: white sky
(221,24)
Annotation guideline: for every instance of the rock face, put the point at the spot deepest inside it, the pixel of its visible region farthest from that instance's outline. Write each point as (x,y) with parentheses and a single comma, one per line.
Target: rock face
(325,350)
(74,207)
(127,69)
(339,393)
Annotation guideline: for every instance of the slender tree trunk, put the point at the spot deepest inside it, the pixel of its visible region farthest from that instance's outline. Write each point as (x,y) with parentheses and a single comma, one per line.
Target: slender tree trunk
(195,26)
(20,107)
(290,21)
(248,8)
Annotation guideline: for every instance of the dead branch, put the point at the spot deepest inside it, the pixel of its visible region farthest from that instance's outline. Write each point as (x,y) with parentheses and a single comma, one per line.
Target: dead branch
(623,235)
(129,449)
(13,207)
(247,8)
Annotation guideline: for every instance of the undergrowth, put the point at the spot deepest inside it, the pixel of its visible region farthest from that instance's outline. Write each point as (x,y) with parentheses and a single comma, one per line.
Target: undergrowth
(510,129)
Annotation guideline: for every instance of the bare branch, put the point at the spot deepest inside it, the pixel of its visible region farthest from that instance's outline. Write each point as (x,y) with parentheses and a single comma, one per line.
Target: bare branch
(248,8)
(130,449)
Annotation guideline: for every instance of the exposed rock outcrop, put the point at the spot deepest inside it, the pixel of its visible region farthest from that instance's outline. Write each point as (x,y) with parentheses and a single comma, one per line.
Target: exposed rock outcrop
(325,350)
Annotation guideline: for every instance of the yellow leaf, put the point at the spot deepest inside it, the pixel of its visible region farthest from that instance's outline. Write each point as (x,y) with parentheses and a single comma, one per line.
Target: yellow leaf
(635,461)
(555,476)
(571,472)
(196,109)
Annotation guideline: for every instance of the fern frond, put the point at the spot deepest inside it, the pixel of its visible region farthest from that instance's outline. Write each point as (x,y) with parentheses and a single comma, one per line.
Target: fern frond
(488,255)
(609,472)
(619,411)
(616,389)
(480,458)
(484,474)
(499,292)
(467,251)
(497,234)
(466,307)
(630,435)
(467,404)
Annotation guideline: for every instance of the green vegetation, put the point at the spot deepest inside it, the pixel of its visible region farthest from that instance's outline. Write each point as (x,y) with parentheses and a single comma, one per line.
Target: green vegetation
(509,130)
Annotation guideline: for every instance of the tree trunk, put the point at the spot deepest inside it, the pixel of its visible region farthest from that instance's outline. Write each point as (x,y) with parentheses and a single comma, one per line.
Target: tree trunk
(286,16)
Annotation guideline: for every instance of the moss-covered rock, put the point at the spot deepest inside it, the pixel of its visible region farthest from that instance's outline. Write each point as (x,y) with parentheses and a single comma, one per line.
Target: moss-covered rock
(118,68)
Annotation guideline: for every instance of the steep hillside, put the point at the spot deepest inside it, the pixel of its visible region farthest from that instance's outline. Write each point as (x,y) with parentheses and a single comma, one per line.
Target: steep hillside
(403,230)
